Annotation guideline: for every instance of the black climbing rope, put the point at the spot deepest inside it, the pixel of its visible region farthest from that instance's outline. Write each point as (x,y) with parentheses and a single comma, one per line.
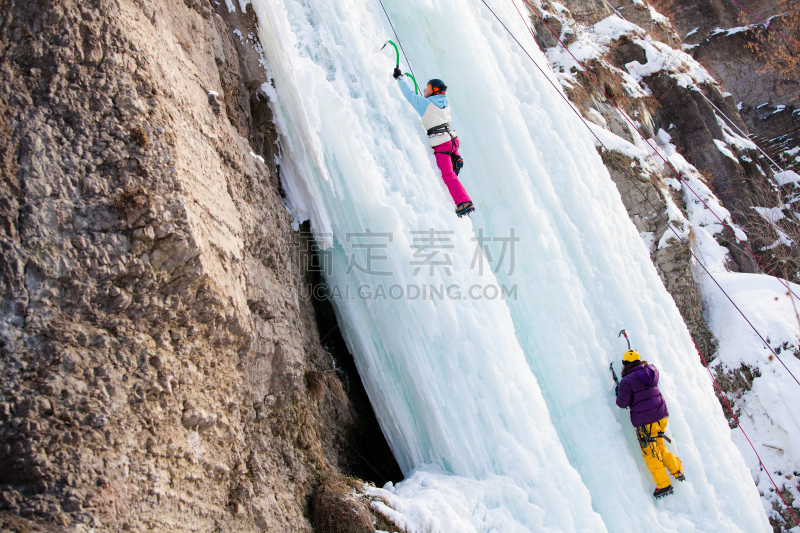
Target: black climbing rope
(398,39)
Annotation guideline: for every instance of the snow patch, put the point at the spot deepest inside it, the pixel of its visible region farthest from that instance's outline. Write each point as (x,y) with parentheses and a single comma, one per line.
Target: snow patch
(722,147)
(788,176)
(691,33)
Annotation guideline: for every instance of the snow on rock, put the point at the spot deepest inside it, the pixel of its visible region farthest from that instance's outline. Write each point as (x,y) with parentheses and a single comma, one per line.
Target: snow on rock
(593,42)
(657,17)
(734,139)
(702,206)
(726,32)
(661,58)
(768,412)
(723,147)
(612,28)
(789,176)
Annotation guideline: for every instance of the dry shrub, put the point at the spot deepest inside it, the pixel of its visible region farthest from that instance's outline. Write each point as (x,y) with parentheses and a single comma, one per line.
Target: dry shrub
(140,136)
(326,383)
(337,509)
(778,54)
(315,380)
(781,255)
(132,200)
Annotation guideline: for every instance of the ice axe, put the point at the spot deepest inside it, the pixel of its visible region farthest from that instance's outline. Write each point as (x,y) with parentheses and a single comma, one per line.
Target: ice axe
(397,63)
(611,364)
(621,333)
(614,375)
(396,52)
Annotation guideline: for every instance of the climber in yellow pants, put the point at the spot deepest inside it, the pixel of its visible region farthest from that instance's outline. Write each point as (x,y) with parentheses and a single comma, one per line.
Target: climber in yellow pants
(656,455)
(638,389)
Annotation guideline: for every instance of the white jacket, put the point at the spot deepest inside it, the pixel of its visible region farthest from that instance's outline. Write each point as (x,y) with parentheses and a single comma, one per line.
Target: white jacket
(436,117)
(432,115)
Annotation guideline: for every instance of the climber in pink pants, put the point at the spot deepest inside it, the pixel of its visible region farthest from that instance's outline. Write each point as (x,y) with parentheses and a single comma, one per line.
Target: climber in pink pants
(445,163)
(434,109)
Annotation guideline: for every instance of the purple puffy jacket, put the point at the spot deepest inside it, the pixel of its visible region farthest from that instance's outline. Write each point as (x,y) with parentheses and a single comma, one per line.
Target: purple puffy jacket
(638,389)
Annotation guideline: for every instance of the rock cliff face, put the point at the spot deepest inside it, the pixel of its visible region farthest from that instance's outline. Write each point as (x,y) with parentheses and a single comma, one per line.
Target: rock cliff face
(161,368)
(717,33)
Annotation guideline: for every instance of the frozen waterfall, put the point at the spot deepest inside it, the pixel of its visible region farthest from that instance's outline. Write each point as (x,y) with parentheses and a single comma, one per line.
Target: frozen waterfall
(484,343)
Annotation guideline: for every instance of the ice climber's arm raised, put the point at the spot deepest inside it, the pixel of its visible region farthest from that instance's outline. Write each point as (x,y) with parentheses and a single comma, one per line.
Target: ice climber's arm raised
(419,102)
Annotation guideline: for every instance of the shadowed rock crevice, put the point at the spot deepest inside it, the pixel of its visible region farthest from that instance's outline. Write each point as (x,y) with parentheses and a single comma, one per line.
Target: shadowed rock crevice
(372,459)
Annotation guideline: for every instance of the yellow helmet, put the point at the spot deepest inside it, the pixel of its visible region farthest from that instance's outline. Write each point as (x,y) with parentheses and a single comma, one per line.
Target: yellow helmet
(630,356)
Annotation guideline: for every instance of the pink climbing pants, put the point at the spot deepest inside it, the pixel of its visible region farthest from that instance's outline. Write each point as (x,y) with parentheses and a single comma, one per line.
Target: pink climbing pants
(449,177)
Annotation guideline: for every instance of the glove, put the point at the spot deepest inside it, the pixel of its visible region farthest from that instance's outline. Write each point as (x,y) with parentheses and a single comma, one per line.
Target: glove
(397,72)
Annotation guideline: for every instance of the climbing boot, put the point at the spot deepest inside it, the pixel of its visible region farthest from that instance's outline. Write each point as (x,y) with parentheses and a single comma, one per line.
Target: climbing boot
(464,208)
(679,476)
(660,493)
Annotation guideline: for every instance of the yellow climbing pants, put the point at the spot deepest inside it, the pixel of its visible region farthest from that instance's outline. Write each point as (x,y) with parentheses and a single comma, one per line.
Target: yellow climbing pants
(657,456)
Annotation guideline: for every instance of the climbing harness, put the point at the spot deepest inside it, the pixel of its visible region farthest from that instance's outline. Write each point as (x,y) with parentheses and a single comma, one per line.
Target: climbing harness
(442,129)
(577,113)
(645,438)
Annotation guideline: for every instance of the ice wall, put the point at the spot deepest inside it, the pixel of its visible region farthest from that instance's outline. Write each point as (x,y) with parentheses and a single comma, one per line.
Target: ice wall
(499,410)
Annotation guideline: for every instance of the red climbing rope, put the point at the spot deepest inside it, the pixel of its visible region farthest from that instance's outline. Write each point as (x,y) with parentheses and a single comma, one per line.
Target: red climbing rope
(676,233)
(739,425)
(657,152)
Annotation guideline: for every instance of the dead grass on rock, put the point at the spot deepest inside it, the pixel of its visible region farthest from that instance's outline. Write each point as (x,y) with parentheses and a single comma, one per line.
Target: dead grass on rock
(132,200)
(336,508)
(140,136)
(316,383)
